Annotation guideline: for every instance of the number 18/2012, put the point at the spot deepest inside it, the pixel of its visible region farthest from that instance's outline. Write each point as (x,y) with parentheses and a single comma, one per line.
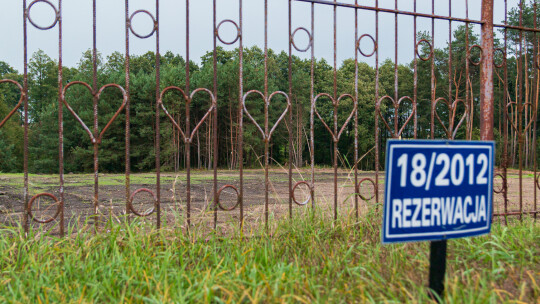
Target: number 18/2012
(452,171)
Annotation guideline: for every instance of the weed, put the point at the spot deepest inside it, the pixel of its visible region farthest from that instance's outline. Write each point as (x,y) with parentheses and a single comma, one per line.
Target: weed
(311,259)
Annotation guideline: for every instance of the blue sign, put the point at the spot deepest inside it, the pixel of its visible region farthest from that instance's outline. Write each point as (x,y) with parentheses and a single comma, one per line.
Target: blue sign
(437,189)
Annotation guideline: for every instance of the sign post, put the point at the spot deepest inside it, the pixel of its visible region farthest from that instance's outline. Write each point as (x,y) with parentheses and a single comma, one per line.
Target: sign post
(437,190)
(437,267)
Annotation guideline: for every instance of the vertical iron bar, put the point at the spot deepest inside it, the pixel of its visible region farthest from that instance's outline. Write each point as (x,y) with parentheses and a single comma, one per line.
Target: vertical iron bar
(520,131)
(415,77)
(96,127)
(396,77)
(266,129)
(241,116)
(215,96)
(335,116)
(450,127)
(433,80)
(187,140)
(290,119)
(215,136)
(536,66)
(357,45)
(506,117)
(312,107)
(25,136)
(127,111)
(468,101)
(158,134)
(61,128)
(377,144)
(335,139)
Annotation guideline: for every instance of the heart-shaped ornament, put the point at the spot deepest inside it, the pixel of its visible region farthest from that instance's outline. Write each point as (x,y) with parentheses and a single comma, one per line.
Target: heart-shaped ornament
(335,103)
(266,134)
(187,137)
(95,95)
(452,128)
(524,107)
(395,133)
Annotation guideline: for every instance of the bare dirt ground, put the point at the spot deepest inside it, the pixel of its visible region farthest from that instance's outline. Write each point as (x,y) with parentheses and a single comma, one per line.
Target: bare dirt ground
(79,193)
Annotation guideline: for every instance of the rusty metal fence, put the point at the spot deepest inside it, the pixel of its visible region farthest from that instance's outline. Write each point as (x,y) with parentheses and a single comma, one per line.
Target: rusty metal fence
(517,114)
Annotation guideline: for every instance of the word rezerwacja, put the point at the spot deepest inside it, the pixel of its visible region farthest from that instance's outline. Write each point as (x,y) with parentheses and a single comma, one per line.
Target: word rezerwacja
(427,212)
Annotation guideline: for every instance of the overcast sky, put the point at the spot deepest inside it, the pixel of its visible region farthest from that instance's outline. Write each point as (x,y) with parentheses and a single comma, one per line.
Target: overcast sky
(77,27)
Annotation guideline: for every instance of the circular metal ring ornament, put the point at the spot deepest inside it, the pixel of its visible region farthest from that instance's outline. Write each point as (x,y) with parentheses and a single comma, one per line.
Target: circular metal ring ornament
(360,49)
(133,196)
(538,181)
(31,202)
(503,58)
(154,28)
(237,31)
(360,187)
(294,189)
(56,14)
(219,201)
(498,191)
(476,63)
(310,41)
(430,50)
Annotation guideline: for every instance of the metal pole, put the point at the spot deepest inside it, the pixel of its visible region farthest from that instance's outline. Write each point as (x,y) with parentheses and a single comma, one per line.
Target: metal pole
(437,269)
(486,73)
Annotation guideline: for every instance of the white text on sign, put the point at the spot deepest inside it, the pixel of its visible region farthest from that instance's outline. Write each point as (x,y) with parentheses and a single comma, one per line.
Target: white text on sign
(426,212)
(456,166)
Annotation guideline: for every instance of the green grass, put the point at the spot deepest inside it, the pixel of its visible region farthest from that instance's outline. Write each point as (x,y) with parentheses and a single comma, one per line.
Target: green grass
(307,260)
